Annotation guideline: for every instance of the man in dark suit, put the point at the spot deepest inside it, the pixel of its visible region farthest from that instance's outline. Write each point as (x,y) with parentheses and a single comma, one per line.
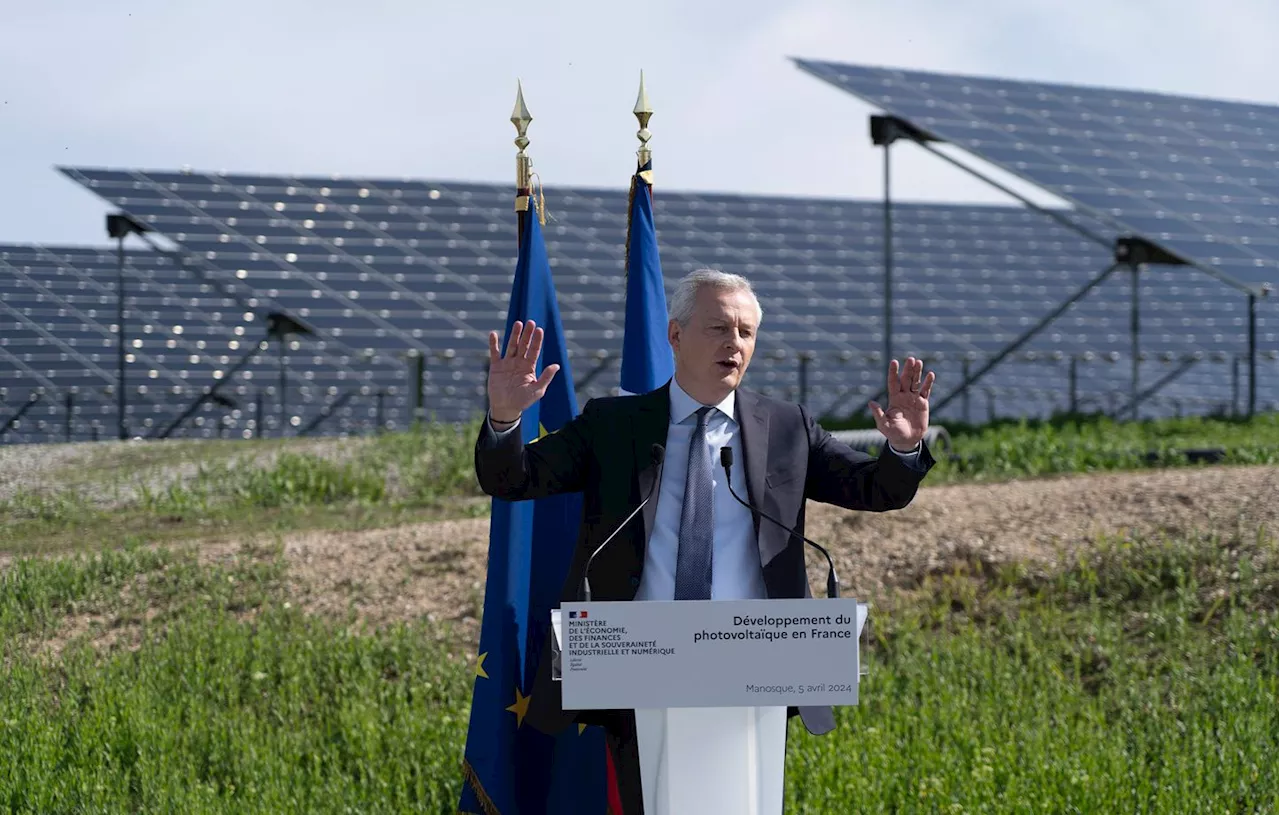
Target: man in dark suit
(695,541)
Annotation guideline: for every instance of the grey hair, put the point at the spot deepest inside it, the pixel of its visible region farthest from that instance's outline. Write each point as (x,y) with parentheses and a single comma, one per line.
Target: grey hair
(686,292)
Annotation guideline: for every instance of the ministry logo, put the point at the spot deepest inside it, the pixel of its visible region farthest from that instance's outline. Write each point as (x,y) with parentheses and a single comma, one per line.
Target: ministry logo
(577,615)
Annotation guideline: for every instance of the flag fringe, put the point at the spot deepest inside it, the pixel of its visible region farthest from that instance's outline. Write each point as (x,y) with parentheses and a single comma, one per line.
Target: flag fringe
(473,780)
(626,246)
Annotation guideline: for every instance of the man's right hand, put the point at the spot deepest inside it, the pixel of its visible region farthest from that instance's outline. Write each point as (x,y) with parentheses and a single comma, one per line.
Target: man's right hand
(513,383)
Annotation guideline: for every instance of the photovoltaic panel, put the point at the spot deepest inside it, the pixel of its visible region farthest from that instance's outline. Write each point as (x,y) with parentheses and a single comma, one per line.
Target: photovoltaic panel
(1196,176)
(58,312)
(383,266)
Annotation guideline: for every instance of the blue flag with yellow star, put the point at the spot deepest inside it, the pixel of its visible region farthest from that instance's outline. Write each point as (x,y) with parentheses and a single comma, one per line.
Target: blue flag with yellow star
(509,767)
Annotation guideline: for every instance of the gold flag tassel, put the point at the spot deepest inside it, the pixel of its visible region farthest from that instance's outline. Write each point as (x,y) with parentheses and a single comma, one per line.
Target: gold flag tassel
(539,197)
(473,780)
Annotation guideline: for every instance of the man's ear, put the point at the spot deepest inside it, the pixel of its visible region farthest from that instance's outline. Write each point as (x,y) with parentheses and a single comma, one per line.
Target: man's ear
(673,334)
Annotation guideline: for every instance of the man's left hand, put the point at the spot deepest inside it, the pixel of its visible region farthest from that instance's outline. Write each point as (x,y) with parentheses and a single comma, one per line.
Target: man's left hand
(907,418)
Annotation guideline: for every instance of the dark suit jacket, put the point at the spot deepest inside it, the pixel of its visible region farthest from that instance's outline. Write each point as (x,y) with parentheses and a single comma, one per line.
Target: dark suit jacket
(605,453)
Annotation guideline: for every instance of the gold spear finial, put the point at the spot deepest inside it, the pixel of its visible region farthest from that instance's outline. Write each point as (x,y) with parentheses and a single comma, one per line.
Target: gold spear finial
(521,118)
(643,111)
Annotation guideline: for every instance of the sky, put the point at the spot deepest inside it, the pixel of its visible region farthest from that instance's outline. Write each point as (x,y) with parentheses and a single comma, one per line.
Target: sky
(425,89)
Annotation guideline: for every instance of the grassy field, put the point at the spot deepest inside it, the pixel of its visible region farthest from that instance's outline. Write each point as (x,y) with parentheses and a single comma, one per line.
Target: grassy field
(151,492)
(1140,679)
(157,492)
(1009,449)
(139,677)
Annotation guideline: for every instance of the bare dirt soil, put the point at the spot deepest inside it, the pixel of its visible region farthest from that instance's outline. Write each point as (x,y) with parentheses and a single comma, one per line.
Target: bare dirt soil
(438,569)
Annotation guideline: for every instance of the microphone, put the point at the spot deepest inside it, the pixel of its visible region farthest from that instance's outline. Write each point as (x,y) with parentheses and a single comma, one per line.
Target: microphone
(656,453)
(833,583)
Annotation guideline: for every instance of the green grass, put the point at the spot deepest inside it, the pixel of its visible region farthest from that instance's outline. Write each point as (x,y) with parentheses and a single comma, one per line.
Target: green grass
(250,488)
(1012,449)
(281,485)
(1141,678)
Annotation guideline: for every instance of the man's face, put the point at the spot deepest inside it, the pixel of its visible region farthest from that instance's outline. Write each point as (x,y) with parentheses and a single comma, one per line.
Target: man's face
(712,352)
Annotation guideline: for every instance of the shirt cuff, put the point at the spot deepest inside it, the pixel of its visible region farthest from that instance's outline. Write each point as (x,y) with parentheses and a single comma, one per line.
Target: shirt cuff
(500,433)
(911,458)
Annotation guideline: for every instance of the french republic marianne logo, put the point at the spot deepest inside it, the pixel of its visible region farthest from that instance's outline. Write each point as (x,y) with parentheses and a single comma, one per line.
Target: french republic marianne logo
(577,615)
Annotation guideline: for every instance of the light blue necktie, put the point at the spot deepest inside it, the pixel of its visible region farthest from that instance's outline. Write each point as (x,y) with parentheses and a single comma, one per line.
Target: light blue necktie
(697,519)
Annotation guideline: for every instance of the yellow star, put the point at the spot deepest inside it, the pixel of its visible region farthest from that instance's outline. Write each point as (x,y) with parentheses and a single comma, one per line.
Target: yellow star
(542,433)
(521,707)
(480,666)
(581,727)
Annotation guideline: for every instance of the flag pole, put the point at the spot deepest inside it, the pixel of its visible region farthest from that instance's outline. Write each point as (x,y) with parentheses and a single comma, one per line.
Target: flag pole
(643,111)
(520,117)
(644,163)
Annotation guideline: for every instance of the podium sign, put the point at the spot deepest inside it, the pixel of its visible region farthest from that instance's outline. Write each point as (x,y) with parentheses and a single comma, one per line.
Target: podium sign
(709,653)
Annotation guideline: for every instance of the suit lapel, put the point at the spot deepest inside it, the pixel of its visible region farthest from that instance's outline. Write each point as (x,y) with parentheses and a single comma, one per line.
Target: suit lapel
(754,421)
(652,418)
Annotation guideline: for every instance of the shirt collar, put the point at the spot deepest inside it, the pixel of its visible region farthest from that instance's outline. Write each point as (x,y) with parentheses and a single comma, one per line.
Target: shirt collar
(683,405)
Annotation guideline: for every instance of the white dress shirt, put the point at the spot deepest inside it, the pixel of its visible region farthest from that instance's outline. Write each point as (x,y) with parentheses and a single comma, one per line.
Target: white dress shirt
(736,572)
(735,558)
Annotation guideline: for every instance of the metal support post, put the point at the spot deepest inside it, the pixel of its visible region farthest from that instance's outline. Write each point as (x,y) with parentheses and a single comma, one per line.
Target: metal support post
(1134,342)
(888,259)
(1235,384)
(1253,354)
(121,352)
(284,411)
(120,226)
(1073,385)
(806,357)
(417,373)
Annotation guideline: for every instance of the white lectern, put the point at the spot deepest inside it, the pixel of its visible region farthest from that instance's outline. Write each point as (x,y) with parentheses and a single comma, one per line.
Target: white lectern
(710,683)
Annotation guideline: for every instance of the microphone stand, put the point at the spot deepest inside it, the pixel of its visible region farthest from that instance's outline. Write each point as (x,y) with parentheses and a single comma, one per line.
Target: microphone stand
(657,452)
(833,583)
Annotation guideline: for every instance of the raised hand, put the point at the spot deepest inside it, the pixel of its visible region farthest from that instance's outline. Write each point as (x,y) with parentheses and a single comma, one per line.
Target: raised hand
(907,418)
(513,382)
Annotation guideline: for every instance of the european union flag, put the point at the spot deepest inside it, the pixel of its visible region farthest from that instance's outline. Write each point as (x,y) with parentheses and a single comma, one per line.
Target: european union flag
(646,353)
(509,767)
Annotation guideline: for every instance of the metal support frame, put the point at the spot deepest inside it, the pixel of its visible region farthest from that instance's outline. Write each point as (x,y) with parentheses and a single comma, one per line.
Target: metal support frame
(1073,386)
(1253,354)
(605,360)
(1025,336)
(1132,251)
(119,227)
(417,374)
(806,358)
(279,327)
(212,391)
(1136,253)
(1138,398)
(1135,351)
(22,411)
(68,408)
(327,411)
(885,130)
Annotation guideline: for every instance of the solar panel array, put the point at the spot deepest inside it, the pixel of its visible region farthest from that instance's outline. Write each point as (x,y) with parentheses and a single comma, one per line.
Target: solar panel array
(1196,176)
(59,342)
(380,267)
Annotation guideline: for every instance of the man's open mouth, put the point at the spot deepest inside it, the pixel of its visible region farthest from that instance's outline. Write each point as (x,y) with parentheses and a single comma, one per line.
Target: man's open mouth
(727,365)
